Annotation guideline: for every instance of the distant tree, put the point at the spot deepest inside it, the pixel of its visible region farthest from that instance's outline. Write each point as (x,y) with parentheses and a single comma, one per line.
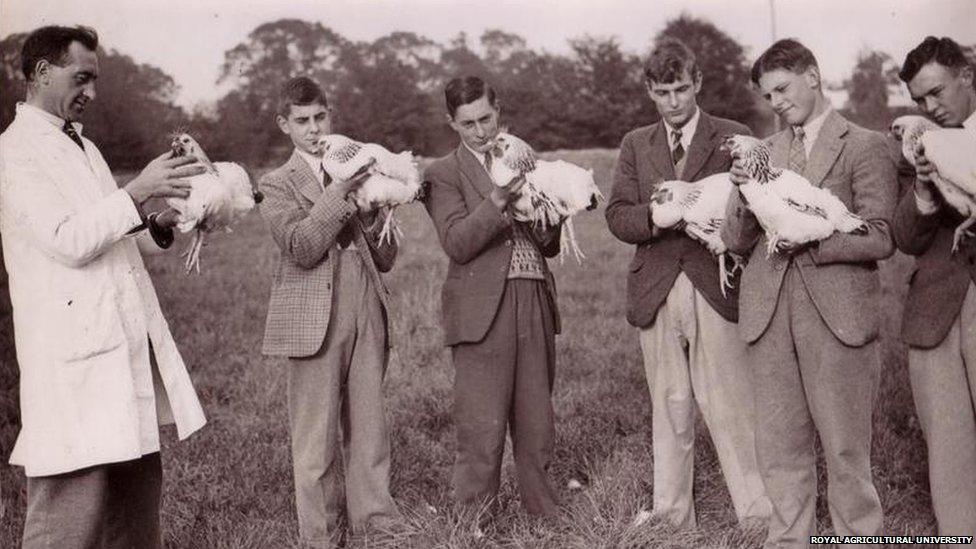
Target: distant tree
(256,69)
(867,89)
(726,89)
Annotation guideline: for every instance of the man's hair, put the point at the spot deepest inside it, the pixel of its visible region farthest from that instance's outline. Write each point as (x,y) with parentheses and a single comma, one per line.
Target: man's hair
(787,54)
(51,44)
(668,61)
(464,90)
(300,90)
(944,51)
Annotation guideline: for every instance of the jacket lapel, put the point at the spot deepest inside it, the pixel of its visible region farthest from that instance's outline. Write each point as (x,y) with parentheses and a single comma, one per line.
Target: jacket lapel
(703,144)
(779,156)
(305,180)
(473,171)
(661,152)
(826,149)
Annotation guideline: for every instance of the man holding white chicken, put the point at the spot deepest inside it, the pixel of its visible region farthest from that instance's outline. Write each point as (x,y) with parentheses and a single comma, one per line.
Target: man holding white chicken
(940,309)
(692,354)
(327,314)
(499,311)
(809,313)
(99,370)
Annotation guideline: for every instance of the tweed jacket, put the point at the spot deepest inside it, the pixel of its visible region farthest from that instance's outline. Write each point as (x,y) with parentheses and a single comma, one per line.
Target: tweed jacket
(660,255)
(477,238)
(939,279)
(840,272)
(83,305)
(304,222)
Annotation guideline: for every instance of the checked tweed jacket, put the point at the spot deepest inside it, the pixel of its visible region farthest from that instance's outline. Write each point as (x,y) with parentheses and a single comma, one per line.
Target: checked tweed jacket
(304,222)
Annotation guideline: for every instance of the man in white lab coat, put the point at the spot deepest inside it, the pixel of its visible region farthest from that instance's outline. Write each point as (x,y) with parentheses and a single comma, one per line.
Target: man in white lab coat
(99,371)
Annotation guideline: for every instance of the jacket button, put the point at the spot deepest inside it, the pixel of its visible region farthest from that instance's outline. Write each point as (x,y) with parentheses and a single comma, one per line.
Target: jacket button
(508,242)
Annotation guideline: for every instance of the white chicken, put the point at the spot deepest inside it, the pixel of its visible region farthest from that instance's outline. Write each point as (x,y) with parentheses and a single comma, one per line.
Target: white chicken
(790,210)
(553,192)
(218,198)
(953,153)
(700,207)
(394,179)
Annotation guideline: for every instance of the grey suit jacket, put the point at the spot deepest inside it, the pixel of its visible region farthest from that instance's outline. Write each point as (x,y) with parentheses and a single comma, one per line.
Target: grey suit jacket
(643,163)
(477,238)
(840,273)
(304,222)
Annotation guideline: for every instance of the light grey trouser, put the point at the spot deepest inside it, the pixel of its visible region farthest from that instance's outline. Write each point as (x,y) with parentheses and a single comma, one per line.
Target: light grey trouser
(340,389)
(944,387)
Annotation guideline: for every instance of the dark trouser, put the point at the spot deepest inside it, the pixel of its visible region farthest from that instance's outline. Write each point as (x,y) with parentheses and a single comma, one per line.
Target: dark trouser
(107,506)
(505,381)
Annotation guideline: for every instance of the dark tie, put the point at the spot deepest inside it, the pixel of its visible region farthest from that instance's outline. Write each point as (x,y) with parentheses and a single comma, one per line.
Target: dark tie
(345,236)
(678,150)
(488,161)
(798,151)
(69,130)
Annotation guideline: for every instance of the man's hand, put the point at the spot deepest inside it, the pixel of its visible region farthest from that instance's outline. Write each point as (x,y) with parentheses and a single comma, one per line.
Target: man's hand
(344,187)
(788,248)
(161,178)
(923,175)
(737,173)
(504,195)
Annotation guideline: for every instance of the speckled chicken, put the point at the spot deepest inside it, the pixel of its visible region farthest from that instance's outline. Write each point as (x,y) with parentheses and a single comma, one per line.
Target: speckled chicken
(791,211)
(394,179)
(218,198)
(554,191)
(698,208)
(953,153)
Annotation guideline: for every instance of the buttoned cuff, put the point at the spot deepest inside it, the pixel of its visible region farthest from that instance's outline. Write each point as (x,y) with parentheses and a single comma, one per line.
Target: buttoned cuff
(162,237)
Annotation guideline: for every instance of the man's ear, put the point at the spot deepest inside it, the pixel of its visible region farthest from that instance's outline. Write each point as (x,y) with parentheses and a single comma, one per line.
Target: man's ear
(282,124)
(42,72)
(697,79)
(966,74)
(812,76)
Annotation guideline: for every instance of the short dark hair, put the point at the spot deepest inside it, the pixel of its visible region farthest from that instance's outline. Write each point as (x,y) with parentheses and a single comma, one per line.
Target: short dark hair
(787,54)
(468,89)
(944,51)
(300,90)
(51,44)
(669,59)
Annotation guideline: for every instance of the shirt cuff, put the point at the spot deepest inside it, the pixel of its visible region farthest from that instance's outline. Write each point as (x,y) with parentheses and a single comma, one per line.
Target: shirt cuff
(925,207)
(162,237)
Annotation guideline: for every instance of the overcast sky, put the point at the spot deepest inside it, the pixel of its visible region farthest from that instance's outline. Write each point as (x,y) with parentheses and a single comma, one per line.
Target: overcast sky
(187,39)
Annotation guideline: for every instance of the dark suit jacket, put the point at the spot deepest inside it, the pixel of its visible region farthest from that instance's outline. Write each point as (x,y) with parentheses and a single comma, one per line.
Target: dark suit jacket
(477,238)
(304,222)
(841,272)
(940,278)
(644,162)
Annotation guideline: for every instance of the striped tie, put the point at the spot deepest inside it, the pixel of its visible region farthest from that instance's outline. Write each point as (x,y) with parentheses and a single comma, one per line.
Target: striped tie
(488,161)
(798,151)
(678,150)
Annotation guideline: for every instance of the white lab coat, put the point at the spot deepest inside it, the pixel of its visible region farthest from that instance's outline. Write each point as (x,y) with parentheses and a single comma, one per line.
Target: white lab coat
(82,306)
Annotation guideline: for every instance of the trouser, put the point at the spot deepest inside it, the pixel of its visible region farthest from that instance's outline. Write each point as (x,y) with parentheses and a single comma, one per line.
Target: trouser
(106,506)
(944,387)
(692,354)
(807,382)
(505,381)
(340,388)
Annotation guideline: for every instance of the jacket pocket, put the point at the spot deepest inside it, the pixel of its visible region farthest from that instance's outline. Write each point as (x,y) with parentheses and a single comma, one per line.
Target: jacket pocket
(87,324)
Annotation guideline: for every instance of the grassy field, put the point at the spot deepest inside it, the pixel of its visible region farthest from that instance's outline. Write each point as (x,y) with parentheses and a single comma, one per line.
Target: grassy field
(230,485)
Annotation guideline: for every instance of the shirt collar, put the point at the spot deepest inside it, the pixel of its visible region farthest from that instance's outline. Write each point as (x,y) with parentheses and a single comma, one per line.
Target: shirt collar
(57,121)
(687,131)
(812,128)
